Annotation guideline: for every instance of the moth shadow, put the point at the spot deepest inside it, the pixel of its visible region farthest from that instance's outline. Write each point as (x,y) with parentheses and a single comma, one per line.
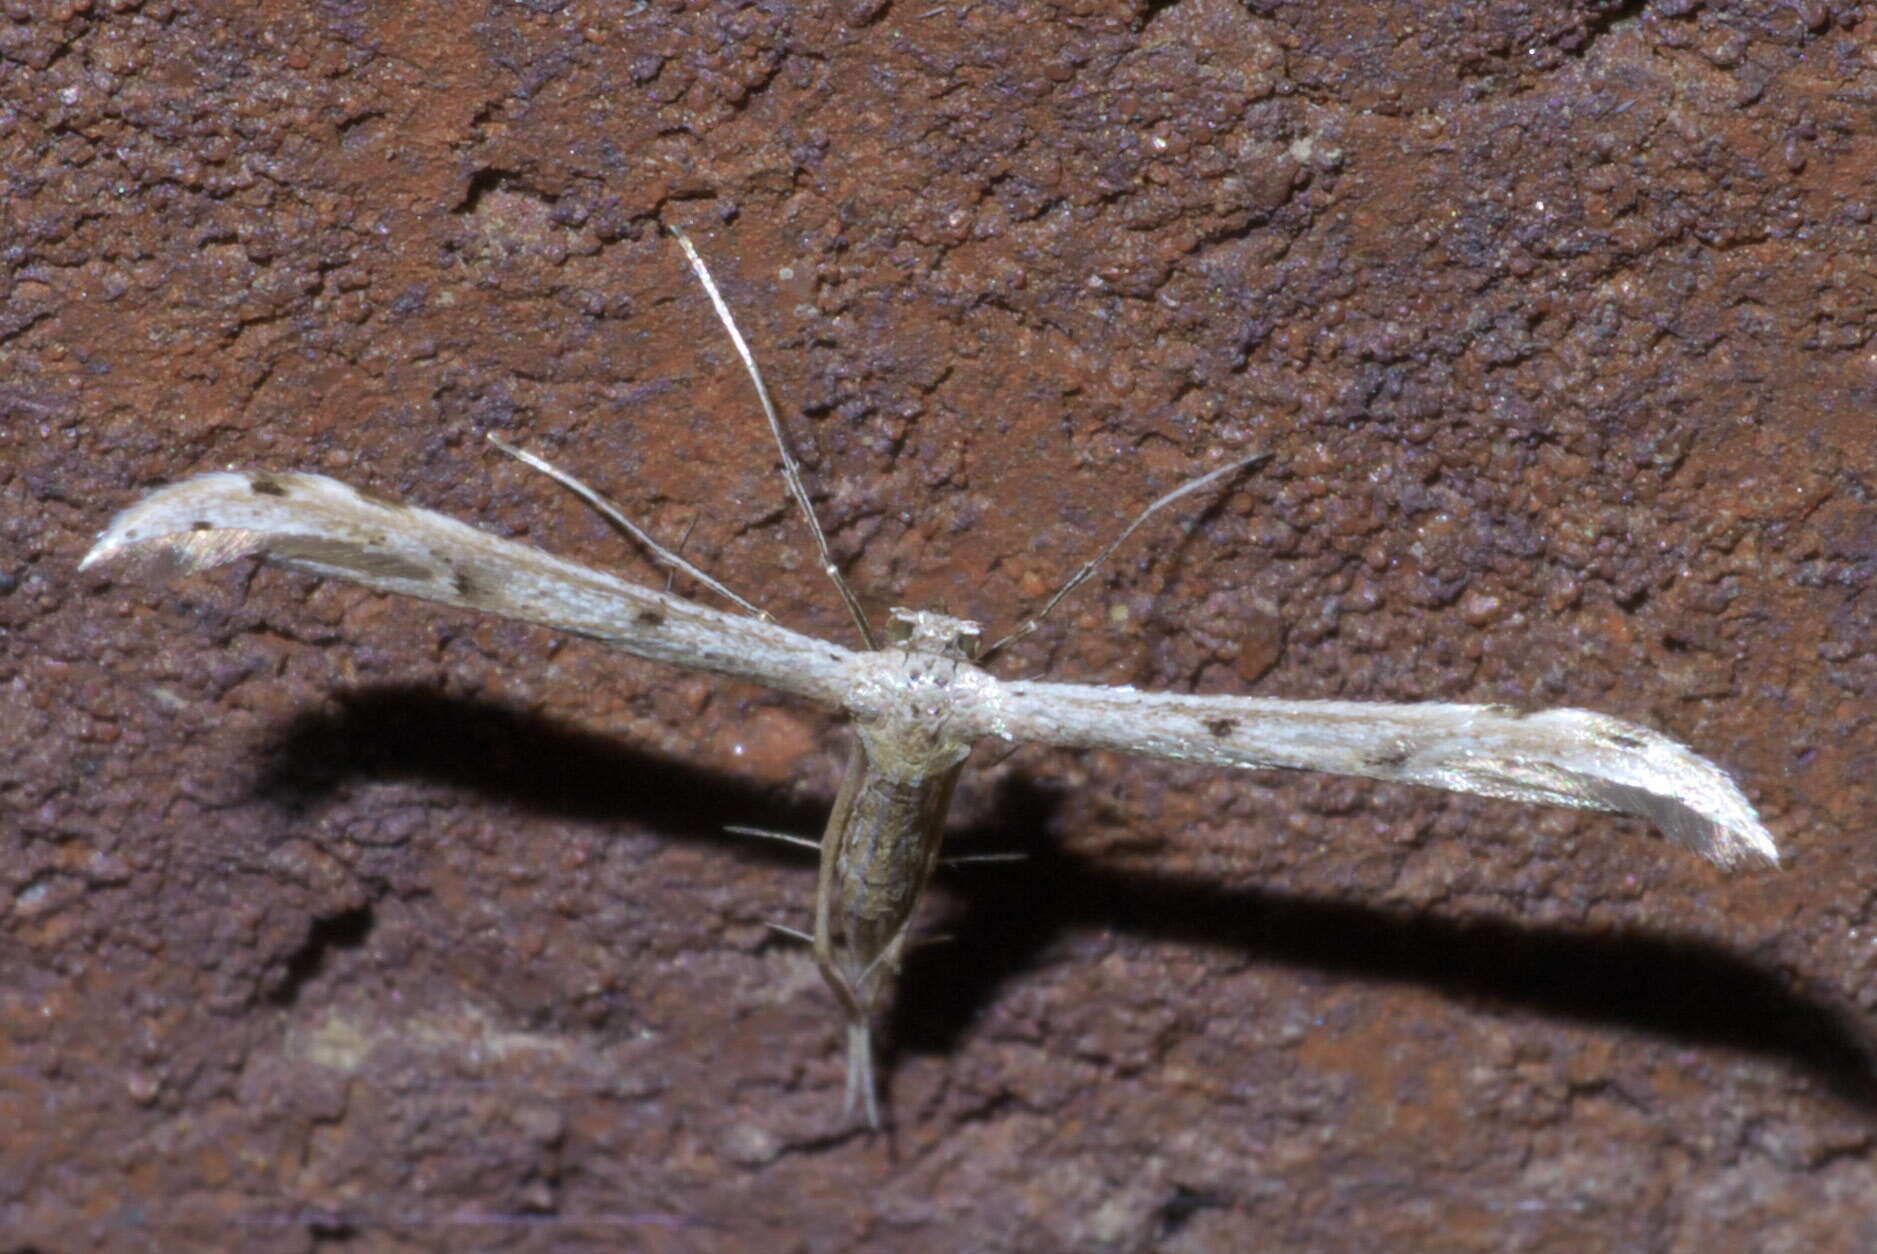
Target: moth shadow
(1001,917)
(1674,987)
(520,759)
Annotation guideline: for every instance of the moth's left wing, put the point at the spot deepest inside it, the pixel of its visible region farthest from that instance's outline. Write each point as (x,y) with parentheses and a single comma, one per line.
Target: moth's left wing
(323,527)
(1554,757)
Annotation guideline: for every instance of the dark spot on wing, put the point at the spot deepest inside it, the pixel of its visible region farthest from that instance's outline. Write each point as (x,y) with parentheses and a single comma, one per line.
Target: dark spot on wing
(1623,740)
(200,525)
(1386,759)
(649,618)
(464,585)
(264,486)
(1221,727)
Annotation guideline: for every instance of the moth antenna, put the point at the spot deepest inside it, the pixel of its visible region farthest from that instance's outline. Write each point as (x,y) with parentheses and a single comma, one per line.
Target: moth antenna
(790,471)
(616,516)
(1088,568)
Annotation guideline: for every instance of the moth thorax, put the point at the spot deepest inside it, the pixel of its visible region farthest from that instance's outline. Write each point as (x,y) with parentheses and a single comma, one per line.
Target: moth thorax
(920,631)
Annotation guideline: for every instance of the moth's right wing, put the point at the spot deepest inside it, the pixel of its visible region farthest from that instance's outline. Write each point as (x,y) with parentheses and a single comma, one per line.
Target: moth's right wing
(1557,757)
(323,527)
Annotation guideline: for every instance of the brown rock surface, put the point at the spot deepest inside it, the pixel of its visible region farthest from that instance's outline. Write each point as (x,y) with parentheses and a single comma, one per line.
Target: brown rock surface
(329,920)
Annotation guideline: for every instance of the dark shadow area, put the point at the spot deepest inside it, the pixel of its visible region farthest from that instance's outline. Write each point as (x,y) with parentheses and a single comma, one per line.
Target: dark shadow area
(1182,1207)
(524,760)
(345,930)
(1685,990)
(1599,24)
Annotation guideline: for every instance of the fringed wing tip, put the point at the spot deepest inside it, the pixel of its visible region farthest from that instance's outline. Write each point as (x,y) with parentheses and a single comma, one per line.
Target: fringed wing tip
(109,544)
(301,521)
(1731,840)
(1694,802)
(1704,811)
(156,528)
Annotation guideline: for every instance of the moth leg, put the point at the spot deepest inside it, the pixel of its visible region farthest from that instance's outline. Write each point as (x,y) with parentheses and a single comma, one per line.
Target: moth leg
(969,859)
(862,1090)
(787,838)
(616,516)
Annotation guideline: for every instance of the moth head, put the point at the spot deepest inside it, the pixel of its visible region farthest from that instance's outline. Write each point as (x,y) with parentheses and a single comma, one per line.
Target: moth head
(920,631)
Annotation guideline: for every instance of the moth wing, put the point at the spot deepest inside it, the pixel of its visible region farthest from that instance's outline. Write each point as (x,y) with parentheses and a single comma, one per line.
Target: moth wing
(1558,757)
(323,527)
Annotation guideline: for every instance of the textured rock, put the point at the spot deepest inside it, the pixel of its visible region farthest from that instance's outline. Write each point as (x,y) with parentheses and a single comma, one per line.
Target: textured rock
(324,916)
